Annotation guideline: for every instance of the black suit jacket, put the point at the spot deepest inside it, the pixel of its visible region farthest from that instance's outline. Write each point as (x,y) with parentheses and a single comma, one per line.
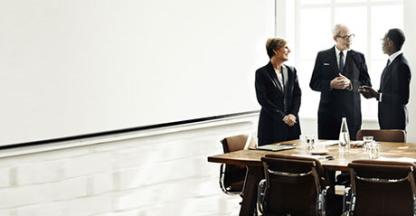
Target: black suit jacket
(335,104)
(394,86)
(275,104)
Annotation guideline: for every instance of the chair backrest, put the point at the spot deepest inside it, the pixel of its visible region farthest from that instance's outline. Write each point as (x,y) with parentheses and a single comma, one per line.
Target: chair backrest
(293,186)
(234,143)
(382,187)
(383,135)
(232,176)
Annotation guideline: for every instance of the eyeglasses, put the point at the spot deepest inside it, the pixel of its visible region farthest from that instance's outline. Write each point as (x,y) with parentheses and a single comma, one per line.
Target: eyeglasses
(384,39)
(349,37)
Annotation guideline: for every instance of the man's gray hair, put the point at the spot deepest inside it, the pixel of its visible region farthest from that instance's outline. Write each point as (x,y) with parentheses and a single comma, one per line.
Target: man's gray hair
(337,29)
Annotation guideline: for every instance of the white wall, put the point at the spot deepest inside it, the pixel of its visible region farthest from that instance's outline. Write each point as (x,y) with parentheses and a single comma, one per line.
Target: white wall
(410,53)
(84,66)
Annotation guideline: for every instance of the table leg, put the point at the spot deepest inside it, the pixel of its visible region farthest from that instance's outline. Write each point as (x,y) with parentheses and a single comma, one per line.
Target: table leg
(334,202)
(254,175)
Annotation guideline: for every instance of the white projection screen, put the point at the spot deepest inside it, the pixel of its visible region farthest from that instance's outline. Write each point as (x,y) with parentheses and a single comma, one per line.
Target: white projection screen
(74,67)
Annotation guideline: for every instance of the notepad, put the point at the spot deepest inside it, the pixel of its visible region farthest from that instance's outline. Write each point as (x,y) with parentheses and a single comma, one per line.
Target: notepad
(276,147)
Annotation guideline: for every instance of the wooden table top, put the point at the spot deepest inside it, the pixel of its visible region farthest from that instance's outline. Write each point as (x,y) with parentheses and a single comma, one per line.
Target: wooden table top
(388,151)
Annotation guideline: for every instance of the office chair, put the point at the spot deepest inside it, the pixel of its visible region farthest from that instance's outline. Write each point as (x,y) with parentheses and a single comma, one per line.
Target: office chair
(232,176)
(383,135)
(292,186)
(382,188)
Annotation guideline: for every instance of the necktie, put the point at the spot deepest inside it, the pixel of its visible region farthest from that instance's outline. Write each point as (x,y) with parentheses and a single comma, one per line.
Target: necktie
(341,62)
(384,74)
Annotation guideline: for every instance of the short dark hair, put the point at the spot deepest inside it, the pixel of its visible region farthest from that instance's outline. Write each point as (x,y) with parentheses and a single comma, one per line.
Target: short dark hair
(397,36)
(273,44)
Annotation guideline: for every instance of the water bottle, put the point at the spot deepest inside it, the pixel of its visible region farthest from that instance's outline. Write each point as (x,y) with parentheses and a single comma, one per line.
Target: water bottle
(344,136)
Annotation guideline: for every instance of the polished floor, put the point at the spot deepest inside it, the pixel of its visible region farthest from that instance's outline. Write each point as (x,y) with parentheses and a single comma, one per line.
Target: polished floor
(157,174)
(207,197)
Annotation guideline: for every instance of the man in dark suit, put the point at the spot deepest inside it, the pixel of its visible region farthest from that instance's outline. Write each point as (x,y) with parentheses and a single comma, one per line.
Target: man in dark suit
(338,73)
(279,94)
(393,94)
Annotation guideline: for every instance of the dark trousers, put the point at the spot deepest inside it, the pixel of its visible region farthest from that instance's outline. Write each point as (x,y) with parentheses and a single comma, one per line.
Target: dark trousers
(329,128)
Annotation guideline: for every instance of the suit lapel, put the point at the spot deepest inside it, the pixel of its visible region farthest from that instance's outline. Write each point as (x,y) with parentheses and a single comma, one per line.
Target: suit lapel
(349,62)
(383,77)
(273,78)
(333,60)
(289,78)
(387,72)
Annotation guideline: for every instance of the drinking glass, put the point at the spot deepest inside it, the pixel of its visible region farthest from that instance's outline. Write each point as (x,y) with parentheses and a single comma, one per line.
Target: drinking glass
(367,142)
(374,150)
(310,142)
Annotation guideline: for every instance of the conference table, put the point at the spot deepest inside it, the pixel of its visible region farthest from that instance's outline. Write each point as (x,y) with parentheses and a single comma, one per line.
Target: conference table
(252,160)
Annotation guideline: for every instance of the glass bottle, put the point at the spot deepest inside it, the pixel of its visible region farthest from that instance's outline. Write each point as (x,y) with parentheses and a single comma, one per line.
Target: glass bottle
(344,136)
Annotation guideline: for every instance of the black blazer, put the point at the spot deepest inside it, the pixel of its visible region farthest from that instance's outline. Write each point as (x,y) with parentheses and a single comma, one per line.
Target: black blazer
(335,104)
(275,104)
(394,86)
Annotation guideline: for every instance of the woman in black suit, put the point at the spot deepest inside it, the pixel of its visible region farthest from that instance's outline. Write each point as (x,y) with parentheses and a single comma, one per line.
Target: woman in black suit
(279,95)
